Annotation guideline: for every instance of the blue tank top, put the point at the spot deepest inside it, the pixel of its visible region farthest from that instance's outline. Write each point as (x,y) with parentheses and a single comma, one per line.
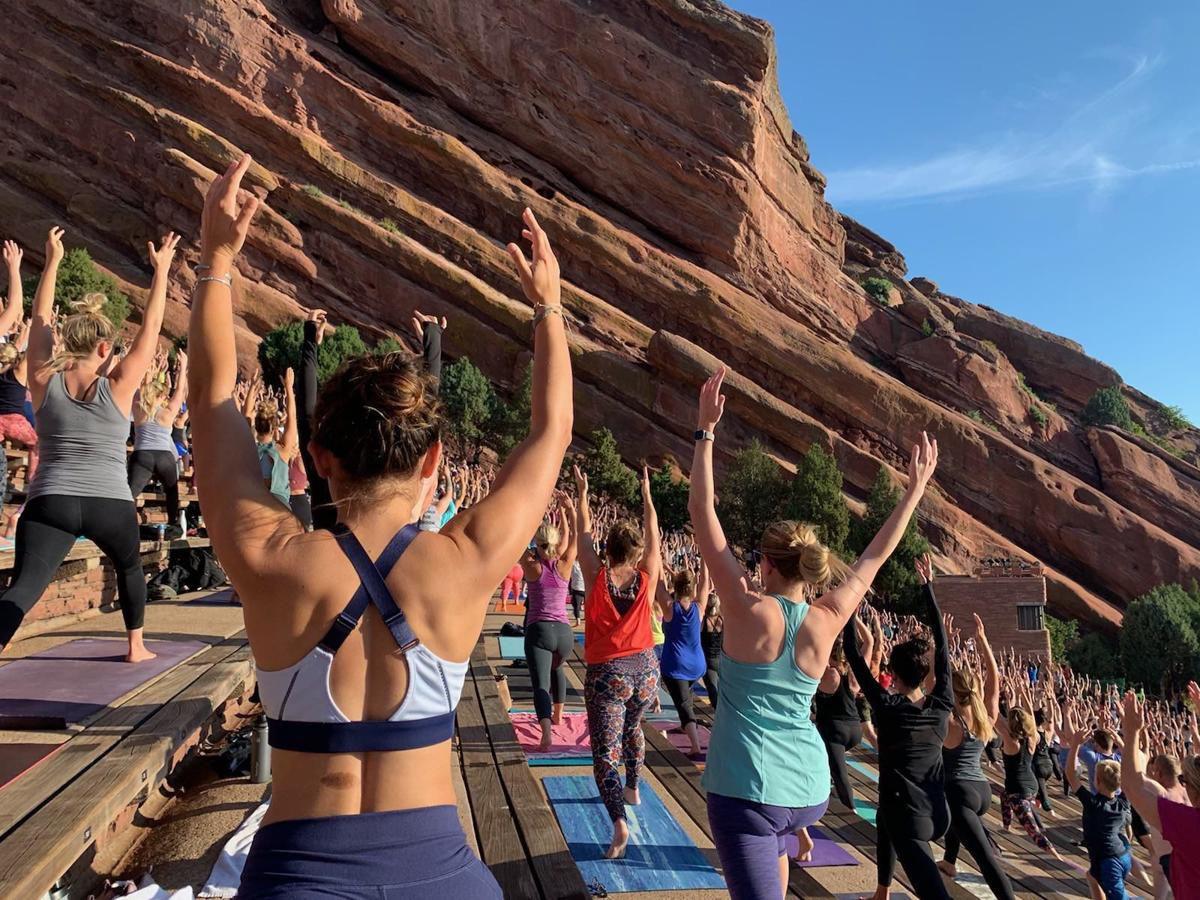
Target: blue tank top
(682,656)
(764,747)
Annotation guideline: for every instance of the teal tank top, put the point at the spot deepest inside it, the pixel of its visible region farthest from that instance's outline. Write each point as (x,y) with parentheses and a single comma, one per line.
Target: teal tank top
(275,473)
(764,747)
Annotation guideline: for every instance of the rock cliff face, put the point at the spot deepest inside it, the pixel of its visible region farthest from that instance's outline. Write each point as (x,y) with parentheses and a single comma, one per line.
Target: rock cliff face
(395,145)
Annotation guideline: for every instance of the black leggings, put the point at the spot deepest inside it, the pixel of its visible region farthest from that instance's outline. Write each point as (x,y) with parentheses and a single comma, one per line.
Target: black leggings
(46,532)
(160,464)
(547,644)
(840,736)
(712,681)
(682,696)
(969,803)
(576,603)
(1043,794)
(901,834)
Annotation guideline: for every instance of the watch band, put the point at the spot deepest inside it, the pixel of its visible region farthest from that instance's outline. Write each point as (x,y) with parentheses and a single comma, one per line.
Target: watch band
(703,435)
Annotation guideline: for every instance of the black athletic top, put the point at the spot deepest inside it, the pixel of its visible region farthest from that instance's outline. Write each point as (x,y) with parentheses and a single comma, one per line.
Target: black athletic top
(910,734)
(12,394)
(840,706)
(1042,764)
(962,762)
(711,643)
(1104,823)
(1018,773)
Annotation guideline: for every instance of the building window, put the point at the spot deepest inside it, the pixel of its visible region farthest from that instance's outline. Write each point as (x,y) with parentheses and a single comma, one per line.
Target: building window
(1031,617)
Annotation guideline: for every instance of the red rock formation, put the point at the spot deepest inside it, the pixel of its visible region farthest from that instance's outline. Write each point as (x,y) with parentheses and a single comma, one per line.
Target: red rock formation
(395,145)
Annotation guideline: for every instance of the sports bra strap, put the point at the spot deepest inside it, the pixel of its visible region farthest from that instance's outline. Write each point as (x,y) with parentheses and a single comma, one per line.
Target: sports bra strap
(373,589)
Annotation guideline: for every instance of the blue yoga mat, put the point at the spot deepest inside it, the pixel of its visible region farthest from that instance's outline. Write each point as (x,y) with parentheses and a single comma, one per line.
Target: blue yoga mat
(865,810)
(660,856)
(512,647)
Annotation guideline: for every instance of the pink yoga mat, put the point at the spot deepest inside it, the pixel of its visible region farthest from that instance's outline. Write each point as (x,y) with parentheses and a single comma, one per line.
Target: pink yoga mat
(680,741)
(570,737)
(80,678)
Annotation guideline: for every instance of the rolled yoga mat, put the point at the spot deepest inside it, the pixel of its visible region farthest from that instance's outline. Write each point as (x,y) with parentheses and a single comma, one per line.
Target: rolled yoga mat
(76,680)
(660,856)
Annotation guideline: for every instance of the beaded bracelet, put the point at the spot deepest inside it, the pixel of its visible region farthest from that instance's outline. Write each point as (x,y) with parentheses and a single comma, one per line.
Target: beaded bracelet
(542,312)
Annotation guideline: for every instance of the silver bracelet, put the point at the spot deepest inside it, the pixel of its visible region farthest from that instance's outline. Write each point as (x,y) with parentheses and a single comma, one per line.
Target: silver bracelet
(226,280)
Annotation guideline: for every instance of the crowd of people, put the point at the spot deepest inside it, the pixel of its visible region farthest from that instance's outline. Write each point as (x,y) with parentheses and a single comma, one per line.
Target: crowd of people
(366,561)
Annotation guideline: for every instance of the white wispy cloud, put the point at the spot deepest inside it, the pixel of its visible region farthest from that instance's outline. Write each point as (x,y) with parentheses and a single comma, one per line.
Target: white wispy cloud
(1104,140)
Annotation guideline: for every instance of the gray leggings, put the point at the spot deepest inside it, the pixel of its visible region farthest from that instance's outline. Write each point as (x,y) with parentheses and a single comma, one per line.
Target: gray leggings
(547,644)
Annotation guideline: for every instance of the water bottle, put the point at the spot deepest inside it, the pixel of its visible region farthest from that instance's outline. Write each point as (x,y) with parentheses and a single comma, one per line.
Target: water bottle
(161,531)
(260,752)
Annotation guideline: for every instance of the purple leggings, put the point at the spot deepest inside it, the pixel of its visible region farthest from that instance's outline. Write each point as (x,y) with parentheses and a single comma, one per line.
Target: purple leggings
(750,837)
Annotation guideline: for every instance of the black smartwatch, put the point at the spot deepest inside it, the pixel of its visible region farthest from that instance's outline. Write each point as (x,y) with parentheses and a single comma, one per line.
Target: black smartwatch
(702,435)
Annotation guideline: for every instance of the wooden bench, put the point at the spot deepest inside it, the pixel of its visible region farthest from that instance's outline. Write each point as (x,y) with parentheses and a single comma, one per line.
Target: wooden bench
(51,818)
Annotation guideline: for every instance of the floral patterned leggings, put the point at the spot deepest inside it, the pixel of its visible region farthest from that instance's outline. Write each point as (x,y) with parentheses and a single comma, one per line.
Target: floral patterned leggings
(1022,808)
(617,694)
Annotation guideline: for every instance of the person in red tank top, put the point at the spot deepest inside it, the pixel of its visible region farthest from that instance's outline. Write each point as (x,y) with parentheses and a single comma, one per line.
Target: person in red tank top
(622,670)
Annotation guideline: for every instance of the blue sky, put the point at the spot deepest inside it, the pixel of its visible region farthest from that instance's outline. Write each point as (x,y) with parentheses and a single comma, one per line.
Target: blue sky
(1043,159)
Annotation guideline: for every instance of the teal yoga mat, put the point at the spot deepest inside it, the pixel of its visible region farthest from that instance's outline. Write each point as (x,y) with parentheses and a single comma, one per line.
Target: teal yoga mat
(512,647)
(660,857)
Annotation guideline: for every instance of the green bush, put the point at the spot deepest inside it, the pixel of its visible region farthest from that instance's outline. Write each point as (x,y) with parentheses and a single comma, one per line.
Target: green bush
(1038,416)
(312,190)
(389,225)
(927,328)
(975,416)
(1095,655)
(508,423)
(897,580)
(607,473)
(752,495)
(879,290)
(1170,418)
(280,350)
(815,496)
(1108,407)
(469,401)
(1063,635)
(77,277)
(1159,645)
(1024,386)
(670,498)
(389,345)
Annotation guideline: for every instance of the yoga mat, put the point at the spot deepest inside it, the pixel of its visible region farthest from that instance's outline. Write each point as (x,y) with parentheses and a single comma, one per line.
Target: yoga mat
(865,810)
(17,759)
(80,678)
(571,741)
(660,856)
(825,852)
(679,740)
(512,647)
(220,598)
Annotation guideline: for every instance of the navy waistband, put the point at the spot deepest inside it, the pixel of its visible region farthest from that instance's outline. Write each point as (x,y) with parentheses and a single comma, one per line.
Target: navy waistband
(359,737)
(363,831)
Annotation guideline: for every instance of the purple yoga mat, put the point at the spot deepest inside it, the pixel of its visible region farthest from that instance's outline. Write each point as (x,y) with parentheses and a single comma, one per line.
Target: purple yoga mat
(825,852)
(78,679)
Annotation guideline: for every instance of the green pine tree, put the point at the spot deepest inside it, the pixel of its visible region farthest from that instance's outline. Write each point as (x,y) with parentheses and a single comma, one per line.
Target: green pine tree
(815,497)
(469,401)
(897,581)
(752,495)
(670,498)
(606,471)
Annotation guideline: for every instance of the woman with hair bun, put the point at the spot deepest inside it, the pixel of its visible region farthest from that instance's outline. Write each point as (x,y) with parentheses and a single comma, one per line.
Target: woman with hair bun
(549,640)
(83,404)
(622,669)
(682,661)
(362,634)
(154,454)
(767,775)
(1018,741)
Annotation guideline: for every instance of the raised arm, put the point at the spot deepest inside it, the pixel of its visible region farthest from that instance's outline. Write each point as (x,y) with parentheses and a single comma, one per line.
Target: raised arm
(585,544)
(943,690)
(831,610)
(1074,736)
(991,671)
(324,513)
(652,563)
(290,445)
(15,308)
(493,533)
(878,644)
(567,546)
(862,672)
(245,522)
(730,579)
(41,331)
(1143,792)
(703,589)
(167,414)
(127,375)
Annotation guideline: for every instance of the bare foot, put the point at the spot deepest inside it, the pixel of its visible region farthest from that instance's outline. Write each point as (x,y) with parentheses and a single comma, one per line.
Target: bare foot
(547,737)
(616,849)
(632,797)
(804,854)
(139,654)
(947,869)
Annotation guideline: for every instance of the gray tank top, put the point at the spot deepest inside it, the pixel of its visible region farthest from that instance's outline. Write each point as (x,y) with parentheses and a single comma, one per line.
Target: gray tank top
(152,436)
(81,444)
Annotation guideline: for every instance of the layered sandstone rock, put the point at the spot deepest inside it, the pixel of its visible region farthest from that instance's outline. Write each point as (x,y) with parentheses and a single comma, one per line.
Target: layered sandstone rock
(395,146)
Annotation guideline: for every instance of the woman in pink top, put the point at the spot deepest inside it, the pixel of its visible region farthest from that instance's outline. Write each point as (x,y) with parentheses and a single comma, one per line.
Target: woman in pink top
(549,640)
(299,500)
(1176,818)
